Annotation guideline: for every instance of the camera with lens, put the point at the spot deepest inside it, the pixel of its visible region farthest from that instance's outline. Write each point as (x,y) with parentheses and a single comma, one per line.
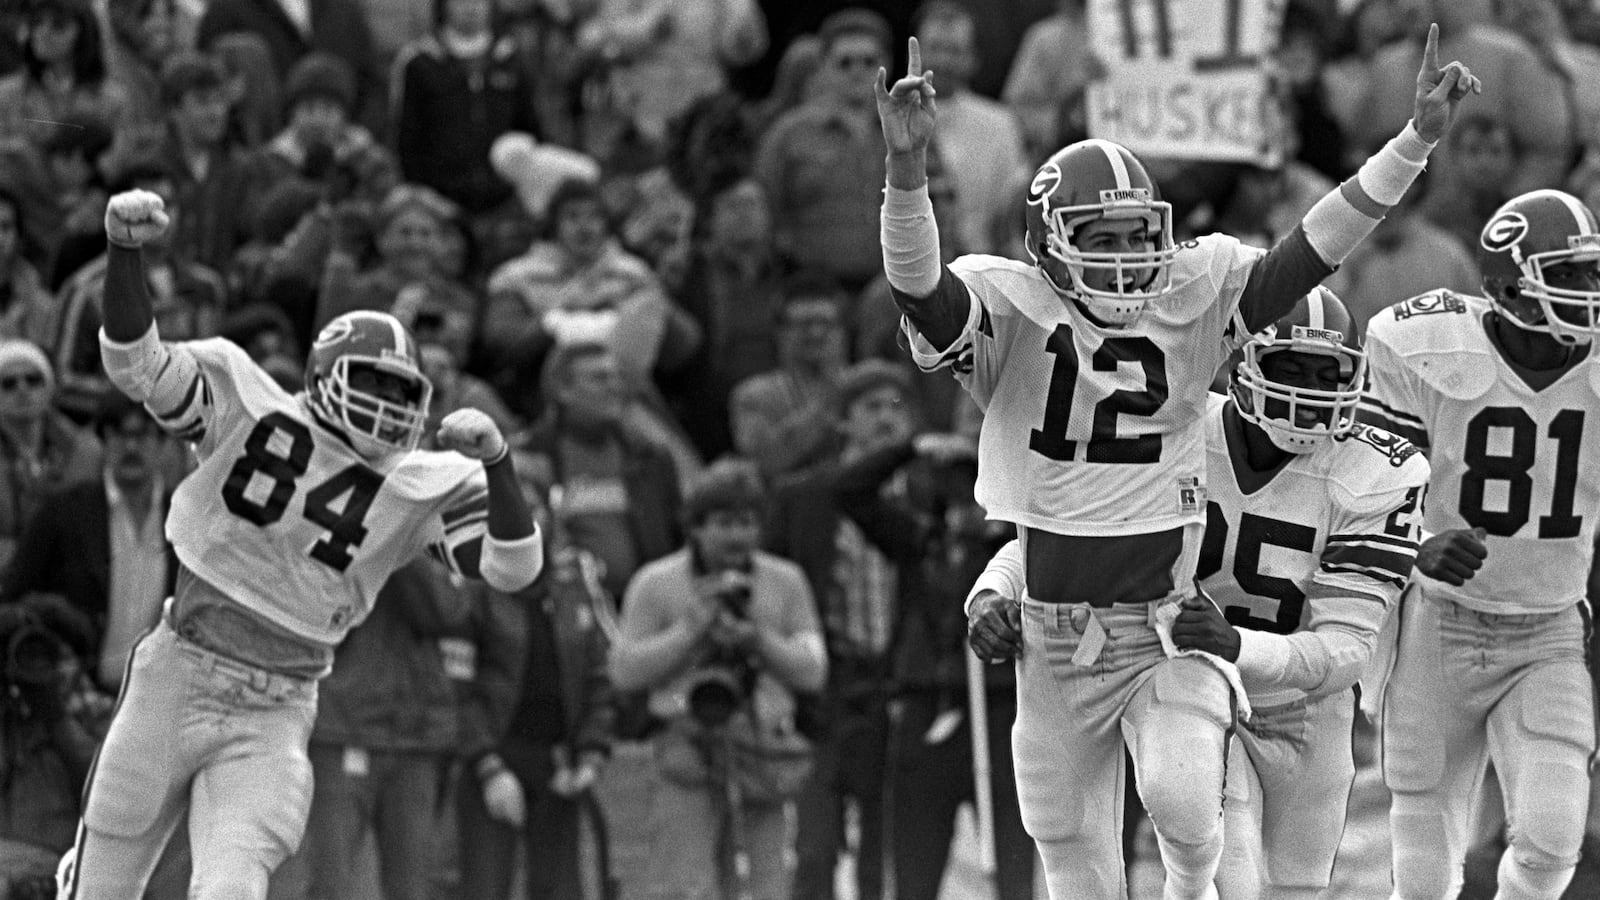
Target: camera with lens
(719,687)
(36,661)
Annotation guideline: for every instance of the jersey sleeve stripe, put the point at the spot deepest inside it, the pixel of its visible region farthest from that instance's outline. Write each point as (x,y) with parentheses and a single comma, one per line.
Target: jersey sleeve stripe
(453,517)
(1414,434)
(171,416)
(1368,559)
(467,524)
(1374,574)
(1390,412)
(1404,544)
(948,357)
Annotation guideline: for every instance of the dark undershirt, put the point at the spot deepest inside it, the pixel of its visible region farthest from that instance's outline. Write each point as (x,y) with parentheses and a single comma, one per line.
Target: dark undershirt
(1135,568)
(1100,571)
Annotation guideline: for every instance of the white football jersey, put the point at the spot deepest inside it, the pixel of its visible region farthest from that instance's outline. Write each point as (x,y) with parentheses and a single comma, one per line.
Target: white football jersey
(1089,430)
(1519,462)
(1336,524)
(284,517)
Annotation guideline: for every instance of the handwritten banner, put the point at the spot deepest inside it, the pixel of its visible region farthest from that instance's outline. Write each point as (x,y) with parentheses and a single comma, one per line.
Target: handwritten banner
(1187,79)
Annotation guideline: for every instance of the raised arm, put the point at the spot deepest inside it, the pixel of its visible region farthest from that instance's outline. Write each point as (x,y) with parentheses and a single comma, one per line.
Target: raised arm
(1343,218)
(936,302)
(513,549)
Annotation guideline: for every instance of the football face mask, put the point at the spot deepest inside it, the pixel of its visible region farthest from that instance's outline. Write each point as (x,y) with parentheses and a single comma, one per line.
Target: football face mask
(363,375)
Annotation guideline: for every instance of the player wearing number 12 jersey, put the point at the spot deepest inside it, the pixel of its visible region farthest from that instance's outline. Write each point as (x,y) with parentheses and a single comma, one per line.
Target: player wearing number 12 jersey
(299,510)
(1311,530)
(1504,392)
(1092,365)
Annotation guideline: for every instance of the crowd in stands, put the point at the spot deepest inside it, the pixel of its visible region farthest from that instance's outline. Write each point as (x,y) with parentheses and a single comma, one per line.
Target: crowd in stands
(648,275)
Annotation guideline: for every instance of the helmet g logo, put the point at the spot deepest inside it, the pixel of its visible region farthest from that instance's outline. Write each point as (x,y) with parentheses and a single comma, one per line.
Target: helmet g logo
(1504,232)
(333,332)
(1045,181)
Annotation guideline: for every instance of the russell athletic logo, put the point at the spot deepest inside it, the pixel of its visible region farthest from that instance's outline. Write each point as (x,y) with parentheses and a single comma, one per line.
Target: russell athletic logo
(1505,232)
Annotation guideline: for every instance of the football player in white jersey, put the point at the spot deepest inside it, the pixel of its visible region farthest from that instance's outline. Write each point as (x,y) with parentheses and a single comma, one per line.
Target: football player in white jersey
(1092,365)
(1503,392)
(1311,530)
(299,510)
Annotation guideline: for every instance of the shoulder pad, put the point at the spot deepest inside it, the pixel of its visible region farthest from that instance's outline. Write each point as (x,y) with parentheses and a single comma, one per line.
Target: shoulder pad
(429,475)
(1594,371)
(1369,466)
(1007,284)
(1204,269)
(1438,337)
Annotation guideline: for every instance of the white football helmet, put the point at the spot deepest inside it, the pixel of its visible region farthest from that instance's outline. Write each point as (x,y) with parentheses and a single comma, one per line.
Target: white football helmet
(1525,237)
(376,425)
(1088,181)
(1299,418)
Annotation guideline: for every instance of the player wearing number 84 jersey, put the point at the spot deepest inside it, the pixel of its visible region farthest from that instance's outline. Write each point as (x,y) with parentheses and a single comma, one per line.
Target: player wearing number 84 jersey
(1503,391)
(300,508)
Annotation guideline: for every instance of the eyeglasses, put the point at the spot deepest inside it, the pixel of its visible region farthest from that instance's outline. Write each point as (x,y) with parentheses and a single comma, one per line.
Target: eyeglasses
(11,382)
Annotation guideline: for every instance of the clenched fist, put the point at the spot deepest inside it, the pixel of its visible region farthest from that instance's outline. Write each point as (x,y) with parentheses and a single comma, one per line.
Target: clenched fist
(472,434)
(133,218)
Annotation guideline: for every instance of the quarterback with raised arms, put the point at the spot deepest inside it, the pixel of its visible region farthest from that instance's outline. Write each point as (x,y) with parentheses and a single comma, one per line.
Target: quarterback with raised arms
(1503,391)
(1311,530)
(1091,362)
(300,508)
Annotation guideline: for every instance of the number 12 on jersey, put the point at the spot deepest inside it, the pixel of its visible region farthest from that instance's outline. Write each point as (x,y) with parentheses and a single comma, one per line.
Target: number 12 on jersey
(1103,446)
(356,484)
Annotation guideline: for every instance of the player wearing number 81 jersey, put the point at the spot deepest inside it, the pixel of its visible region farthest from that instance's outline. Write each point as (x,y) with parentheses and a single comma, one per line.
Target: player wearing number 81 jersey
(1504,392)
(299,510)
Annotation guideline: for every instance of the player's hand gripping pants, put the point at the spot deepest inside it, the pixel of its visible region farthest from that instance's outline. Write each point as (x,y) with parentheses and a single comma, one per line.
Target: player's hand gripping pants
(1175,715)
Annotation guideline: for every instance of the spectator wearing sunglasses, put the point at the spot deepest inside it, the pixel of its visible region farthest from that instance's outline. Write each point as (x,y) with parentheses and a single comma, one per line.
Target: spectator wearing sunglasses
(40,449)
(822,162)
(100,542)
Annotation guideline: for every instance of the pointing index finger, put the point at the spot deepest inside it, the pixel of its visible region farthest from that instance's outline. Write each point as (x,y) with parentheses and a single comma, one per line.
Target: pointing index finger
(913,58)
(1430,51)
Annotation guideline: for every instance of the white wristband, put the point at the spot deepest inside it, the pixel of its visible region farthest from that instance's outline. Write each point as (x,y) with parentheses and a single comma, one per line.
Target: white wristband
(910,240)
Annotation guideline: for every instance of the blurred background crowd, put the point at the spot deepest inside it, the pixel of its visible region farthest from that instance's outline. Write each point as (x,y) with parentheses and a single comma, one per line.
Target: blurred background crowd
(643,236)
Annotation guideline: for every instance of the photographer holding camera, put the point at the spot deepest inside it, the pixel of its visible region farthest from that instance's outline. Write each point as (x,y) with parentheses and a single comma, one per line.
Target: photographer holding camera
(50,723)
(725,634)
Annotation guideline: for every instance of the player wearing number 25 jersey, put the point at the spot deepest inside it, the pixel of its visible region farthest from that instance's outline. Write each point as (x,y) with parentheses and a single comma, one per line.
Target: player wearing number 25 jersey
(1091,364)
(1311,530)
(1504,392)
(300,509)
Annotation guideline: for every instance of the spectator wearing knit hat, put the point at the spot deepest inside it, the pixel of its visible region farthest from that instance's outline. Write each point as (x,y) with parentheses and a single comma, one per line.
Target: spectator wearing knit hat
(321,141)
(40,450)
(456,90)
